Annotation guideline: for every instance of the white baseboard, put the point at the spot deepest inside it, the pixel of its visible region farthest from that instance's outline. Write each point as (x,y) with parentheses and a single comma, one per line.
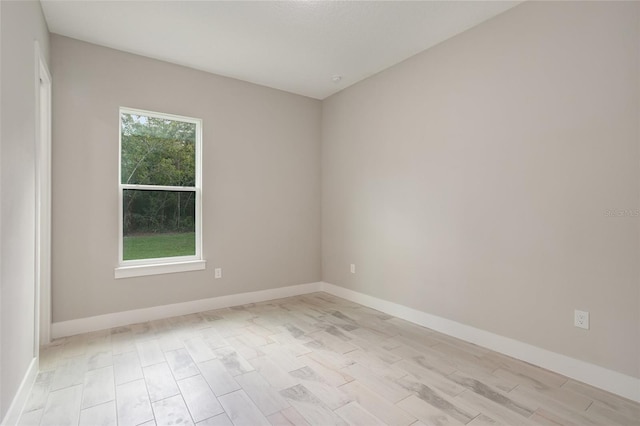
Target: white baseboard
(609,380)
(19,401)
(117,319)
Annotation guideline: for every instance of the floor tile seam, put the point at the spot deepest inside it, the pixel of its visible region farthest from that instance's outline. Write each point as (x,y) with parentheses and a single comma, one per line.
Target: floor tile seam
(562,404)
(96,405)
(184,401)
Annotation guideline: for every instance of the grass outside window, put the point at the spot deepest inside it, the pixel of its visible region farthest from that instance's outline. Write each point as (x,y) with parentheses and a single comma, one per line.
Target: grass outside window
(154,246)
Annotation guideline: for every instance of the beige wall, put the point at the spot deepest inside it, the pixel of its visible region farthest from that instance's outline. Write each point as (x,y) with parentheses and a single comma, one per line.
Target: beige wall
(472,180)
(21,24)
(261,180)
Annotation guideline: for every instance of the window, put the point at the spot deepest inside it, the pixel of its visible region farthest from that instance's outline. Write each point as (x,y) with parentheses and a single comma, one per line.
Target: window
(159,193)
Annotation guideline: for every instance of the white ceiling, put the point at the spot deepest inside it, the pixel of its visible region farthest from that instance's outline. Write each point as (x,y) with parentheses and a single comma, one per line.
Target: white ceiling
(297,46)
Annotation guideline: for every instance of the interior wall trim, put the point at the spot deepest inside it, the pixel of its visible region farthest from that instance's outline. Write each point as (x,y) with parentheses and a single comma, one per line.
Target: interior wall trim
(594,375)
(20,399)
(117,319)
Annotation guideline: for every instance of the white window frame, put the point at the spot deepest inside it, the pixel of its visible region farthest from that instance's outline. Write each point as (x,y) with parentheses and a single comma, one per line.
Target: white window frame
(164,265)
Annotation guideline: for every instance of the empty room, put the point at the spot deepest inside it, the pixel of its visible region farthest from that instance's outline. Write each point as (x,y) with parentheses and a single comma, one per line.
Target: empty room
(319,213)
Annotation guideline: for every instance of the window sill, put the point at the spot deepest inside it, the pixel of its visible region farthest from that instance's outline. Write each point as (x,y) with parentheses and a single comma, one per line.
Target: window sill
(159,268)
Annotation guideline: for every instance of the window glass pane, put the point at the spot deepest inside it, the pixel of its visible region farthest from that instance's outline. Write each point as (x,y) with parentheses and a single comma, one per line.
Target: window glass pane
(157,151)
(158,224)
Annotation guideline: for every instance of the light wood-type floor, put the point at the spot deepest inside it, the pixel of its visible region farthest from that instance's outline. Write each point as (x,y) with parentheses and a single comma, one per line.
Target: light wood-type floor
(307,360)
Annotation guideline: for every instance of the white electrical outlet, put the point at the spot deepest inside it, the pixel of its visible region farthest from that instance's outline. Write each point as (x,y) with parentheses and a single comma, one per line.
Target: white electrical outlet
(581,319)
(218,273)
(353,268)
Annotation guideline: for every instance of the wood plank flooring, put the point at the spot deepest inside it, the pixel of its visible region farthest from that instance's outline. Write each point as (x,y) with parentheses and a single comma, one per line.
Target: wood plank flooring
(308,360)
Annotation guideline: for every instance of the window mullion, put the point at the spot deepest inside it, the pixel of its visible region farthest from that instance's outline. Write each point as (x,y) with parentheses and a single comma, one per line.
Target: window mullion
(158,187)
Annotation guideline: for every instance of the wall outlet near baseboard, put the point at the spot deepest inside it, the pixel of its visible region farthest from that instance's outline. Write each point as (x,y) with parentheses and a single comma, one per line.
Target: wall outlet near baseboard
(353,268)
(581,319)
(217,273)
